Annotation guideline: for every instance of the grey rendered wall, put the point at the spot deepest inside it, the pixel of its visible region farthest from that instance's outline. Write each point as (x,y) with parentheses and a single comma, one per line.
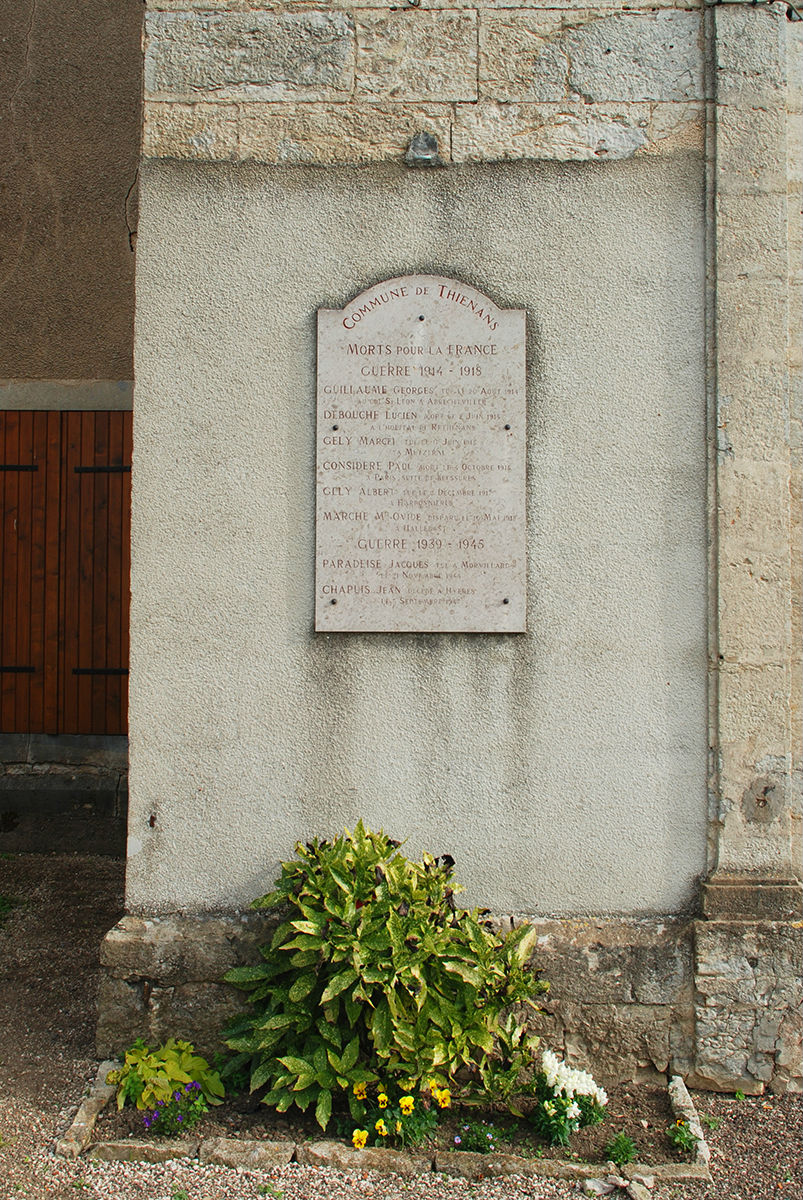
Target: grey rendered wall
(565,769)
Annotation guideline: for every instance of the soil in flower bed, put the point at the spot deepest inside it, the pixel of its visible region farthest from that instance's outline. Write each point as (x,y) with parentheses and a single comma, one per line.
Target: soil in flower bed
(643,1112)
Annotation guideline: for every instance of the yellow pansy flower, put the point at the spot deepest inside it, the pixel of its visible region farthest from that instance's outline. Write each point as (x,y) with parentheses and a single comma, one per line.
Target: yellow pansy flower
(398,1126)
(359,1091)
(359,1138)
(444,1098)
(382,1100)
(407,1104)
(381,1128)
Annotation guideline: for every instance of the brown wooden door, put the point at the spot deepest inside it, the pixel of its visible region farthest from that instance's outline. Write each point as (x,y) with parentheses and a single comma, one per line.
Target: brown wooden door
(64,562)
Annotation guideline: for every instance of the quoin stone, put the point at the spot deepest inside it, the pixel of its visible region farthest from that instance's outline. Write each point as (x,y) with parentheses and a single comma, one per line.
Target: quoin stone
(421,461)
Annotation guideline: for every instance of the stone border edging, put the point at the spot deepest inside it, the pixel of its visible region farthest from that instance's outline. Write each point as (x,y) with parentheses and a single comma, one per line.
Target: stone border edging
(263,1155)
(79,1134)
(683,1108)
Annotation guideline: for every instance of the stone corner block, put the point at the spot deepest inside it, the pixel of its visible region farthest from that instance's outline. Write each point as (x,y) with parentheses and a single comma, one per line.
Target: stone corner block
(190,131)
(751,54)
(179,949)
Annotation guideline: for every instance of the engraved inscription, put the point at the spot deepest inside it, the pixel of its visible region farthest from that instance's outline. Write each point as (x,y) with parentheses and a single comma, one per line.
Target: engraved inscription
(420,522)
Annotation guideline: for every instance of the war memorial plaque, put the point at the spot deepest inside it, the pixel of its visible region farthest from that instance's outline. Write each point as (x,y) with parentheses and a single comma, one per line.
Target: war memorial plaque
(421,451)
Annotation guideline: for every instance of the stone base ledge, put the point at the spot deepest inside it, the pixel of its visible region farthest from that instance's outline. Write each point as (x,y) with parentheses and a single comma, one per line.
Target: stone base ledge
(715,1000)
(620,1003)
(162,976)
(736,898)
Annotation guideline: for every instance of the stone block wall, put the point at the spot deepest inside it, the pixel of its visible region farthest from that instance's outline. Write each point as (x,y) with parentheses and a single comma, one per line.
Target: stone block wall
(354,82)
(163,977)
(620,1000)
(717,1001)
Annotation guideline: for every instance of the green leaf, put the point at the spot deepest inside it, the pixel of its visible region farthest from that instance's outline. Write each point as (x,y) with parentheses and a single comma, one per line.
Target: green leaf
(306,927)
(469,974)
(304,958)
(376,974)
(298,1066)
(323,1109)
(350,1054)
(342,883)
(245,975)
(379,941)
(305,942)
(302,988)
(381,1027)
(304,1099)
(354,1010)
(261,1075)
(338,984)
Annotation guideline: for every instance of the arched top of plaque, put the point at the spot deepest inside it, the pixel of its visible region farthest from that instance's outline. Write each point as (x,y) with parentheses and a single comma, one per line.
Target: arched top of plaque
(420,522)
(439,294)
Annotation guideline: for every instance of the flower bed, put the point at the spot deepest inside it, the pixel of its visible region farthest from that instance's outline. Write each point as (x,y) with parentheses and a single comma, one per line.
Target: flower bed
(643,1113)
(394,1019)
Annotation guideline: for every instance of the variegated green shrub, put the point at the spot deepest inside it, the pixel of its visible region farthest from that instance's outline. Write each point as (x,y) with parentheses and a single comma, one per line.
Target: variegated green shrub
(375,973)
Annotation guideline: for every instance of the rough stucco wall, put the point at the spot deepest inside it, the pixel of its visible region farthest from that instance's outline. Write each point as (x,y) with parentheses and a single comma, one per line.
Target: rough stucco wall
(564,770)
(69,143)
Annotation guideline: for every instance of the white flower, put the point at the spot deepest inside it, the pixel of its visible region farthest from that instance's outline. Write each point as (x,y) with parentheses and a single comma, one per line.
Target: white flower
(568,1081)
(573,1111)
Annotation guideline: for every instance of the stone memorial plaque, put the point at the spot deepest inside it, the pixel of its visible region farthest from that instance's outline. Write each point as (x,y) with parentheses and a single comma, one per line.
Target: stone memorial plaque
(421,522)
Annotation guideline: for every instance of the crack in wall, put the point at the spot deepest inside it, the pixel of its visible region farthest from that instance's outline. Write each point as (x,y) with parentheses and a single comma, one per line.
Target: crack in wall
(27,60)
(132,228)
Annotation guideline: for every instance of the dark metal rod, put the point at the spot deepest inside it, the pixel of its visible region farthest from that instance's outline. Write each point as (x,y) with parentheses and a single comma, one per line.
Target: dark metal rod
(100,470)
(100,670)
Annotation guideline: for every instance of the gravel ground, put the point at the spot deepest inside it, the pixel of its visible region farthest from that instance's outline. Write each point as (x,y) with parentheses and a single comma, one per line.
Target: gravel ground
(48,978)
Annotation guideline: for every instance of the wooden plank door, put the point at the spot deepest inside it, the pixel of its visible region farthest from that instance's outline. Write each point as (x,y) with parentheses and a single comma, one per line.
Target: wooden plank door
(64,555)
(30,468)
